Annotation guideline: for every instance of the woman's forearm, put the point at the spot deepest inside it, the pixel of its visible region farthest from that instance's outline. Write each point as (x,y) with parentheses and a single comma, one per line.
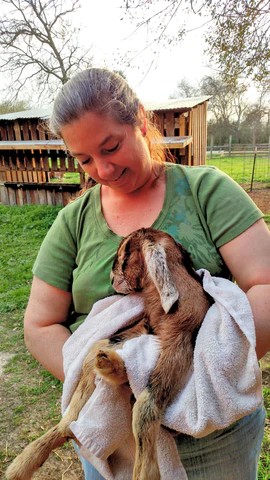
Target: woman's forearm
(259,299)
(45,344)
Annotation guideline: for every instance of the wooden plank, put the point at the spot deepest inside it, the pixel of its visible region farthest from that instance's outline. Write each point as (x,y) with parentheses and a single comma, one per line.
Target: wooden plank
(8,176)
(11,196)
(50,198)
(14,177)
(33,131)
(58,198)
(42,197)
(10,132)
(17,130)
(62,161)
(176,142)
(3,133)
(25,176)
(169,124)
(25,130)
(28,197)
(4,195)
(19,176)
(41,131)
(33,197)
(32,145)
(20,201)
(182,125)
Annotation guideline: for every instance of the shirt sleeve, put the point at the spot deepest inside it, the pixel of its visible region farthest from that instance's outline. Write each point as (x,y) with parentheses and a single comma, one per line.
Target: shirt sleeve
(56,259)
(225,209)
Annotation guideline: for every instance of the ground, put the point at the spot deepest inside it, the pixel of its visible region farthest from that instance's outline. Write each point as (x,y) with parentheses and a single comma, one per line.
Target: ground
(262,198)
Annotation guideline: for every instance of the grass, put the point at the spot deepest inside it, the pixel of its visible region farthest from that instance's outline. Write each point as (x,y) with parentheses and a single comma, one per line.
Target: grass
(240,168)
(30,396)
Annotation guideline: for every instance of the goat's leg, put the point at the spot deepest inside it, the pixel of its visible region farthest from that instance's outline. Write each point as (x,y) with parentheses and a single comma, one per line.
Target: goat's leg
(146,419)
(168,377)
(37,452)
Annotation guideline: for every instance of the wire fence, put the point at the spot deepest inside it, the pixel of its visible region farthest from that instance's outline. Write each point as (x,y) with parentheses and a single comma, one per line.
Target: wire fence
(248,165)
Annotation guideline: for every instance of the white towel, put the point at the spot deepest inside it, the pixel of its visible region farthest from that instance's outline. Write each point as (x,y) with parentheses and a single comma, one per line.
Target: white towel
(223,386)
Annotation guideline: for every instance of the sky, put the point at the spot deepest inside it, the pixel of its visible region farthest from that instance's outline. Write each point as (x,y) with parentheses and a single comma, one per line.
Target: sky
(112,37)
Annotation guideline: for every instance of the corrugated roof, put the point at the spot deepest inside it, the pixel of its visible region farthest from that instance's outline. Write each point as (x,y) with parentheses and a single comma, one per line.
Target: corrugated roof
(33,113)
(173,104)
(176,103)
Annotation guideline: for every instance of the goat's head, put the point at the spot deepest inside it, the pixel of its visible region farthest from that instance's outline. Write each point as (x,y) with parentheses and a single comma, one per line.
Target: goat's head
(147,253)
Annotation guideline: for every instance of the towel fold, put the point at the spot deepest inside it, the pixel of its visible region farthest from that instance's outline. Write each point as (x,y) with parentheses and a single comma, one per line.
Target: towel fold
(224,383)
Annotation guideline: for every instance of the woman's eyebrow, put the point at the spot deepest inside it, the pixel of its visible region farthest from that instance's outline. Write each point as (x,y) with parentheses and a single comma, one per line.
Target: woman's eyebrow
(104,141)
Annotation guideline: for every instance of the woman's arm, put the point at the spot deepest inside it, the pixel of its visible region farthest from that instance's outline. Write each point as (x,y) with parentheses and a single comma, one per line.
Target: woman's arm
(47,309)
(248,258)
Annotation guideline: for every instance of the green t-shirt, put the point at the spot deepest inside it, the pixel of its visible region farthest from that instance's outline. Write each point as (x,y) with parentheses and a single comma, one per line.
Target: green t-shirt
(203,209)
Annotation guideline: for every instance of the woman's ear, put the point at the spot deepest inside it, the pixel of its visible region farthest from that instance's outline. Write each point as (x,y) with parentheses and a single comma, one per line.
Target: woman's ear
(142,120)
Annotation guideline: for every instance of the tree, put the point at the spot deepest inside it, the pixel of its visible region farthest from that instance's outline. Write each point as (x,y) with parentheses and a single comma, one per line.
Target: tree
(38,43)
(238,36)
(185,89)
(8,107)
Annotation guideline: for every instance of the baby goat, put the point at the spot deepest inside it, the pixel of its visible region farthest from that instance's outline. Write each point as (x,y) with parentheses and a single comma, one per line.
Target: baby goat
(152,262)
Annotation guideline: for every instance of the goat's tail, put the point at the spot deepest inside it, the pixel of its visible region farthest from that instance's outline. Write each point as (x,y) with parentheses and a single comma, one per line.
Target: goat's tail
(35,454)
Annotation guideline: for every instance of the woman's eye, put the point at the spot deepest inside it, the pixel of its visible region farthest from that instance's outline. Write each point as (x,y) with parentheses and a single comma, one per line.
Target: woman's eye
(84,162)
(111,150)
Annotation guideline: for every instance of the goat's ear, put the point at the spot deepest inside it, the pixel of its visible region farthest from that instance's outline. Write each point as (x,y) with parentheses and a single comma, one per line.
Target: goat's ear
(156,264)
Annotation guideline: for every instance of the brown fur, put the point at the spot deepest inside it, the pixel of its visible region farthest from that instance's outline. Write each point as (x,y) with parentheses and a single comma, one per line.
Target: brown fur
(149,261)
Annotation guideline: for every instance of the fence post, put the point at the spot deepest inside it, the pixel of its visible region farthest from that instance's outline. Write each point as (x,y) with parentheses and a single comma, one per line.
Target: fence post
(230,145)
(253,168)
(211,145)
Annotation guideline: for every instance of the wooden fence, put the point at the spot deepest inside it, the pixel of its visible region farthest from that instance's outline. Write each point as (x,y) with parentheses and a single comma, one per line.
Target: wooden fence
(27,170)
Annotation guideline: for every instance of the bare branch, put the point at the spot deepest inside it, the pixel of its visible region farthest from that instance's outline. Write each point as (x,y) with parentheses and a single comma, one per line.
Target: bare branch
(38,43)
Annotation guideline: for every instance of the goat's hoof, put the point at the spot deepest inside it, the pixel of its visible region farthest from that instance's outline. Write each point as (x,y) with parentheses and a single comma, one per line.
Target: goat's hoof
(110,365)
(103,362)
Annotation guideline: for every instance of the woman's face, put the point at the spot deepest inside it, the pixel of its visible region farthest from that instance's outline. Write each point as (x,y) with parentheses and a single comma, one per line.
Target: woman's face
(113,154)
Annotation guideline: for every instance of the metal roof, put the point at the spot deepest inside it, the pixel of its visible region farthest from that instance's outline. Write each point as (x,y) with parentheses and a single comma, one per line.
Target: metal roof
(176,103)
(173,104)
(33,113)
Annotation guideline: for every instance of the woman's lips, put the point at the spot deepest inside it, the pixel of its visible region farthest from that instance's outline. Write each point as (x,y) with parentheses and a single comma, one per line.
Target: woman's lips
(122,173)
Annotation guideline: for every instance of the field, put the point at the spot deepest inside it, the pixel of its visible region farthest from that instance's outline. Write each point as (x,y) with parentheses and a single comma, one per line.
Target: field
(243,168)
(30,397)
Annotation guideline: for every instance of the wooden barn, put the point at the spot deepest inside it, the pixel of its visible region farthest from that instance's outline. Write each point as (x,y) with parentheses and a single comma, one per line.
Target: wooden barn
(186,119)
(30,157)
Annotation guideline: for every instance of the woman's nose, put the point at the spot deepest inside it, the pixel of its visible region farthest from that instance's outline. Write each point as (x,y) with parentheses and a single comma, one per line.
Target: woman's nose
(104,169)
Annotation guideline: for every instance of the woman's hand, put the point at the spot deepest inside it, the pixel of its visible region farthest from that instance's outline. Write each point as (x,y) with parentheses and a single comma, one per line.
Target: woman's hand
(47,309)
(248,258)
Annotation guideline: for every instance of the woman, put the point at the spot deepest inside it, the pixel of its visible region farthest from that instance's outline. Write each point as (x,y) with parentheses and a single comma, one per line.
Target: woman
(106,128)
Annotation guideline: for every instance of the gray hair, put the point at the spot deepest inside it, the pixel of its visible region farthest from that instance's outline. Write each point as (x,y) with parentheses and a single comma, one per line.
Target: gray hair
(94,90)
